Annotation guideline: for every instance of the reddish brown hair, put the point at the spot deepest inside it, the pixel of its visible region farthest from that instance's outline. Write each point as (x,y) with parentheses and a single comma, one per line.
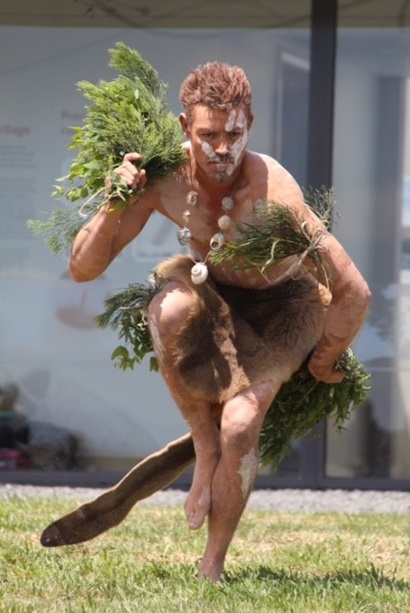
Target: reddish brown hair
(217,85)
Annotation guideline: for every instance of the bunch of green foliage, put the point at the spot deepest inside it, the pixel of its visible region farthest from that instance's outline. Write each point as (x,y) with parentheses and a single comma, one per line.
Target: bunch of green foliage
(303,402)
(127,114)
(277,232)
(125,312)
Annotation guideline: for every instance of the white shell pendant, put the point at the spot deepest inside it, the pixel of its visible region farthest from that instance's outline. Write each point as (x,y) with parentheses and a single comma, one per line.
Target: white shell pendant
(227,204)
(217,241)
(199,273)
(184,236)
(192,198)
(224,222)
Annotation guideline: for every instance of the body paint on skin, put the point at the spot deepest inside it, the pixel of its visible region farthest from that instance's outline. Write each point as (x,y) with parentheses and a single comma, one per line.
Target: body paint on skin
(235,120)
(247,471)
(156,339)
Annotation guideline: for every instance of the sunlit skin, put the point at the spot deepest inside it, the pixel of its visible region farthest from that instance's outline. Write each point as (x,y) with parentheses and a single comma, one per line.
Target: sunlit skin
(220,165)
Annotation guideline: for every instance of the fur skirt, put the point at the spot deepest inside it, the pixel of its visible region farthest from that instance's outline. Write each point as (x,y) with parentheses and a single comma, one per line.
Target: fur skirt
(235,337)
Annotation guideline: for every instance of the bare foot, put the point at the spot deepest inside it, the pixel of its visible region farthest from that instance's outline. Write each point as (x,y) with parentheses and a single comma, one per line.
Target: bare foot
(198,502)
(197,506)
(211,570)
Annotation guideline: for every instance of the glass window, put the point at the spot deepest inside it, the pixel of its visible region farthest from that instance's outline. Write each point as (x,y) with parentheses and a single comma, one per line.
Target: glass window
(82,412)
(371,177)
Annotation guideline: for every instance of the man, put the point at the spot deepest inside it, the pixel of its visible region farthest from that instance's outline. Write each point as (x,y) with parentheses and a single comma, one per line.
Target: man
(225,338)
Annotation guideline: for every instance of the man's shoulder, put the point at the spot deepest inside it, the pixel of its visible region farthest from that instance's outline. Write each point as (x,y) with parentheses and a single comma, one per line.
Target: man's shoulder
(258,157)
(256,160)
(271,168)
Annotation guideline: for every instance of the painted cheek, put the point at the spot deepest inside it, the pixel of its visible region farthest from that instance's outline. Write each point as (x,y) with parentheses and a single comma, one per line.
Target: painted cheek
(239,146)
(207,149)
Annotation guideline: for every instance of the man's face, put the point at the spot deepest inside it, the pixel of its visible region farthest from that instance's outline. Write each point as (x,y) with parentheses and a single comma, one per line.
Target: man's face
(218,140)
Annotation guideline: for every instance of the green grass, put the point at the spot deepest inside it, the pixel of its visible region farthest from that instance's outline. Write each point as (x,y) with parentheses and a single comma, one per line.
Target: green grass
(296,563)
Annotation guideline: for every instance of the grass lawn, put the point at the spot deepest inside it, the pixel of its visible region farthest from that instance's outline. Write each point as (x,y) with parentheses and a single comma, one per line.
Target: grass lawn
(293,562)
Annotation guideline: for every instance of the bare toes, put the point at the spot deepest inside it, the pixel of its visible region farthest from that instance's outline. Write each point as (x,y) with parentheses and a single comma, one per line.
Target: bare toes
(196,509)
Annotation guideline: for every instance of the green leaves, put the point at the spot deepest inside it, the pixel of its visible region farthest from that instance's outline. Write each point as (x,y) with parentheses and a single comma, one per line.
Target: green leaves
(126,114)
(274,233)
(303,402)
(125,312)
(59,229)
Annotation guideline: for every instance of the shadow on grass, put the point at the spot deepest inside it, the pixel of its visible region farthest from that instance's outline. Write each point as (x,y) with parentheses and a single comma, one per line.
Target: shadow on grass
(374,577)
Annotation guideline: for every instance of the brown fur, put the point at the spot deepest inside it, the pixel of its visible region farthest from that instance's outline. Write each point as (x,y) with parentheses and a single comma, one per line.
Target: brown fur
(110,508)
(235,336)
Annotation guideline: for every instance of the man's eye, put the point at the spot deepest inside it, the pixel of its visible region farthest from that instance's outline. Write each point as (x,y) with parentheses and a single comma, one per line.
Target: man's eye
(235,133)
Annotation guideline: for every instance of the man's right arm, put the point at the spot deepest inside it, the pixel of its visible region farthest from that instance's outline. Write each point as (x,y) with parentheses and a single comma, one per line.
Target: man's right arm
(101,239)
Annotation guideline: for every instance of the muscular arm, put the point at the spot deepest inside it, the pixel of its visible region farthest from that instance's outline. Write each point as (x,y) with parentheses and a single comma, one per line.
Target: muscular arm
(107,233)
(350,292)
(103,237)
(346,312)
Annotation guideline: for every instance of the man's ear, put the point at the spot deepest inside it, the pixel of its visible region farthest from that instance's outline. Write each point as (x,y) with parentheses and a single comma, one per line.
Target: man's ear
(184,123)
(250,121)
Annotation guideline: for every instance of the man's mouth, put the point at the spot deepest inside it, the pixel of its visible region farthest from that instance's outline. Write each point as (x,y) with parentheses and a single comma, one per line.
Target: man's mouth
(225,162)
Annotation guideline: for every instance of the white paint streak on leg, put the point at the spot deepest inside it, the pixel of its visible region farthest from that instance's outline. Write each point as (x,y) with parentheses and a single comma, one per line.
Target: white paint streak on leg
(156,339)
(247,471)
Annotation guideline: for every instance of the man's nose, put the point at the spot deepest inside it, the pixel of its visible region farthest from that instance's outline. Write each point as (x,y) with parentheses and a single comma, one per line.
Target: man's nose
(222,147)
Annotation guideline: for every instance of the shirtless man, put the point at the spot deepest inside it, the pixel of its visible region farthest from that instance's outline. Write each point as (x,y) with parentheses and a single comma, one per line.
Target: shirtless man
(220,169)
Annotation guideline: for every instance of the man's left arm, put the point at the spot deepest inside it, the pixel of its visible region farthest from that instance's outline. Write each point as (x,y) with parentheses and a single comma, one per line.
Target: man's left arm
(346,313)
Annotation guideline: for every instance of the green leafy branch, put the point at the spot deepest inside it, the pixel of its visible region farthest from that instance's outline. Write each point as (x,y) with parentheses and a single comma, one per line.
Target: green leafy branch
(126,114)
(277,232)
(303,402)
(125,312)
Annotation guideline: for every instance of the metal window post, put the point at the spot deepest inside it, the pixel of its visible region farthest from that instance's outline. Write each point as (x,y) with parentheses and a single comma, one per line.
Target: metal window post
(319,169)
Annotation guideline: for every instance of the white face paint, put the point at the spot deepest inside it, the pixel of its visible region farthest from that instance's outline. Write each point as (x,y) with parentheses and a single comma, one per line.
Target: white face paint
(207,149)
(239,147)
(236,120)
(247,471)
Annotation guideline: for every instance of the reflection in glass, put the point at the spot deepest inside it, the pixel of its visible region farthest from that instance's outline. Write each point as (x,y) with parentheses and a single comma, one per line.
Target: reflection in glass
(371,176)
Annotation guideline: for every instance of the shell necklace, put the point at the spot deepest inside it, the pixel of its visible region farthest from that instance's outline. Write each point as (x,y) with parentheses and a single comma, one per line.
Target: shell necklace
(199,272)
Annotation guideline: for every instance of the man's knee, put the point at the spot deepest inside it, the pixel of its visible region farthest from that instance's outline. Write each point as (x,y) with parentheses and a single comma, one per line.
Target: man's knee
(243,416)
(169,308)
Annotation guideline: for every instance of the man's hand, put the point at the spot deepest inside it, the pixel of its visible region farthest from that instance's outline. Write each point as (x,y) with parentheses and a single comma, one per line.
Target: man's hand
(327,373)
(128,172)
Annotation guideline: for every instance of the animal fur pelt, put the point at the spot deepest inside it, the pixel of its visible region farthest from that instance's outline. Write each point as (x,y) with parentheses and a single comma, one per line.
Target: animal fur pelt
(110,508)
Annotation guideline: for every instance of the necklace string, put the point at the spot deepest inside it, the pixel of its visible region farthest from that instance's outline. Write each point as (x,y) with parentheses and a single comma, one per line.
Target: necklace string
(199,272)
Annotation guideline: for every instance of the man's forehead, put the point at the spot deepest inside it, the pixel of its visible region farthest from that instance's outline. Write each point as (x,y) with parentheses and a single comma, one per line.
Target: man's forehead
(205,115)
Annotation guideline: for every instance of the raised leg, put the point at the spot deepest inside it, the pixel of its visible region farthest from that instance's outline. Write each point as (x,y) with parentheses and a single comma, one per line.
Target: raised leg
(168,312)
